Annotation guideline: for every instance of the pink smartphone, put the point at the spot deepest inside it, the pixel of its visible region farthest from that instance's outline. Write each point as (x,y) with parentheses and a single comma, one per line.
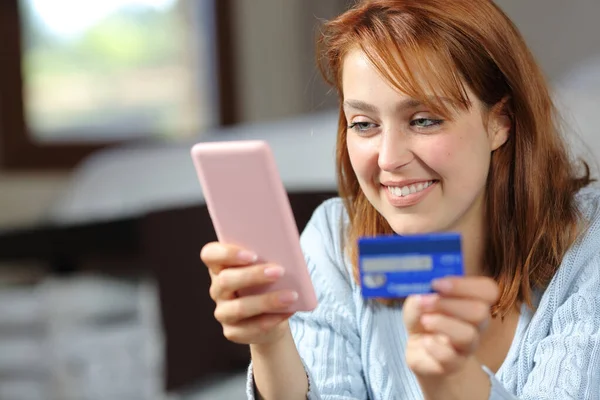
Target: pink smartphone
(249,207)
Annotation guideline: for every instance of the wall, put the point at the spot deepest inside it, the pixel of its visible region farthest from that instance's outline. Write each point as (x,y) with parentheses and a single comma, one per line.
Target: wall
(277,75)
(277,64)
(560,33)
(275,44)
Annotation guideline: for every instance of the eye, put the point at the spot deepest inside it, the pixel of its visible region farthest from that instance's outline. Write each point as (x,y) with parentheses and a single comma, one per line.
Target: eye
(362,127)
(424,123)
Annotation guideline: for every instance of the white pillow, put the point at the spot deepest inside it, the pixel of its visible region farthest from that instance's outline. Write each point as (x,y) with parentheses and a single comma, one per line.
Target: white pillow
(134,179)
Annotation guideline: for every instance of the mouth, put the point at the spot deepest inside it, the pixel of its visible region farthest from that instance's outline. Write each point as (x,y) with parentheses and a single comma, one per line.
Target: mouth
(408,190)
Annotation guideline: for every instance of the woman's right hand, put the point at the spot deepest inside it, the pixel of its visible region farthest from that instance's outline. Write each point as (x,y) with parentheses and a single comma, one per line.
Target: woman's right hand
(253,319)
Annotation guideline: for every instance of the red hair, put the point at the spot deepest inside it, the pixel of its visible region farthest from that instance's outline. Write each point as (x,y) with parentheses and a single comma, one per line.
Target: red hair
(531,212)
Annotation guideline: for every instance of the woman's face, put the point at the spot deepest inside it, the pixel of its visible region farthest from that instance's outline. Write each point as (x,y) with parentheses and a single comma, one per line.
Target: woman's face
(423,174)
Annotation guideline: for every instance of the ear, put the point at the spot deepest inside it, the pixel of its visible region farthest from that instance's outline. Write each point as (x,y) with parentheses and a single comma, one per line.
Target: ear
(499,124)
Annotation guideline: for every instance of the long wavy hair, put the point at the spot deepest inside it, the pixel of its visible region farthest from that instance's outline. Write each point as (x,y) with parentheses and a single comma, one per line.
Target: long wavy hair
(530,208)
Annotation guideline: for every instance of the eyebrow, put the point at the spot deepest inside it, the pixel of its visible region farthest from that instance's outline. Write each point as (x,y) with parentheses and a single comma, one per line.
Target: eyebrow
(363,106)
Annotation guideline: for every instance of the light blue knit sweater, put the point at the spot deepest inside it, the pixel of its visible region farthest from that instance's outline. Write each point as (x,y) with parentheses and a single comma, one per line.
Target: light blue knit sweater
(355,350)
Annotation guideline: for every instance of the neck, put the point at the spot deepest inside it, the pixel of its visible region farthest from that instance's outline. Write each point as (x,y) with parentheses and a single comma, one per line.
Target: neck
(474,237)
(473,244)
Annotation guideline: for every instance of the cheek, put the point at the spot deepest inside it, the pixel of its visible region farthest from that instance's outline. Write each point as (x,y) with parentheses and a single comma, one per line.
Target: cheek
(463,160)
(459,158)
(438,154)
(363,155)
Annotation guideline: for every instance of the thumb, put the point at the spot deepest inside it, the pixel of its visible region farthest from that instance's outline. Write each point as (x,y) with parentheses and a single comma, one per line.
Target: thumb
(411,314)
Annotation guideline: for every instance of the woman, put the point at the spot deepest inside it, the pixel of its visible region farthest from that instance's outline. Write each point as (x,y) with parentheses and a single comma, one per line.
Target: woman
(445,124)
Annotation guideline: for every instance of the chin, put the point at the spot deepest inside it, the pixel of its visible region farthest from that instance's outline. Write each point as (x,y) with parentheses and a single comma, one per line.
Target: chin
(408,226)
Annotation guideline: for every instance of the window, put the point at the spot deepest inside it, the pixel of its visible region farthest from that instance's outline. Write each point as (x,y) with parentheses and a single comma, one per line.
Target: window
(80,75)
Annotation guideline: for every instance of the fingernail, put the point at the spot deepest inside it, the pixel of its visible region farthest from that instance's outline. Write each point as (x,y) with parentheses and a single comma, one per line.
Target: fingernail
(274,271)
(288,297)
(426,320)
(427,301)
(247,256)
(428,341)
(441,285)
(443,339)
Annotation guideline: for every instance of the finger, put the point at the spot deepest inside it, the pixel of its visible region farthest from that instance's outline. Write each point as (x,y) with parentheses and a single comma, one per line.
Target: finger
(419,360)
(411,313)
(230,280)
(247,331)
(440,349)
(476,313)
(218,255)
(239,309)
(463,336)
(475,287)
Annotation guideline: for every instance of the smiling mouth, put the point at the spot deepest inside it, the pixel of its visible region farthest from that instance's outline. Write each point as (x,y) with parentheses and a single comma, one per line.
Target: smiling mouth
(409,189)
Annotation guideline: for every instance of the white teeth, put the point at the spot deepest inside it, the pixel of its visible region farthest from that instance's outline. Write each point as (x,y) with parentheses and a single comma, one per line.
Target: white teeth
(406,190)
(395,191)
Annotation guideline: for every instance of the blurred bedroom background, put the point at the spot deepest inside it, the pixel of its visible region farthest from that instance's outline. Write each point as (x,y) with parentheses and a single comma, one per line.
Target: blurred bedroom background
(102,293)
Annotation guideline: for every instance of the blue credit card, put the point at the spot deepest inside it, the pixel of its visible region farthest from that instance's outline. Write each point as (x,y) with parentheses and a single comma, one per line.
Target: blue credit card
(400,266)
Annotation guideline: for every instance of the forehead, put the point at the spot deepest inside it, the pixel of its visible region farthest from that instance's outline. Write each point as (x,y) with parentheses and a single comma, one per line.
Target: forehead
(359,71)
(363,83)
(361,79)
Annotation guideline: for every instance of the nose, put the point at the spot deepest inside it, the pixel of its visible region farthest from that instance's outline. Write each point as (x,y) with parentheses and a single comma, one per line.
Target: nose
(394,151)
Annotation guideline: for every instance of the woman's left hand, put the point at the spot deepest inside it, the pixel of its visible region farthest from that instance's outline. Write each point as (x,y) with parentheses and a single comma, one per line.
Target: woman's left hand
(444,328)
